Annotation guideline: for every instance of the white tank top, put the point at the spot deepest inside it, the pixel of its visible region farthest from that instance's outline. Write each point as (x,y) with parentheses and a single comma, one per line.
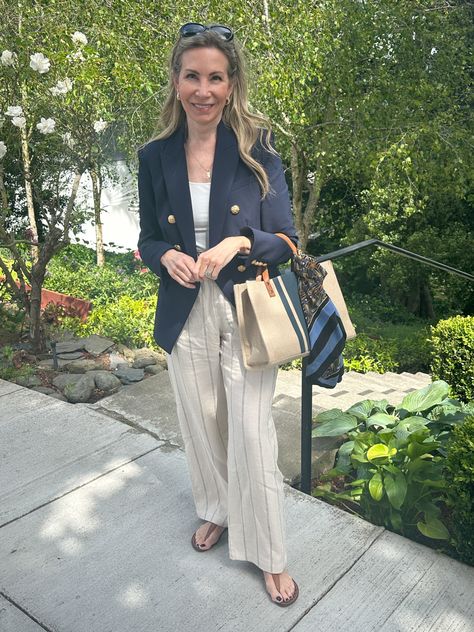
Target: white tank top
(200,192)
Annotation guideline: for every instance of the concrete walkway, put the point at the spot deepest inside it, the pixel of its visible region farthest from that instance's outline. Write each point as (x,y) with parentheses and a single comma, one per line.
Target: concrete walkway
(96,516)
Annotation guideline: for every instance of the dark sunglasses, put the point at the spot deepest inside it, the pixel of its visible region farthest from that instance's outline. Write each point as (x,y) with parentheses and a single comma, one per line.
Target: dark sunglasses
(193,28)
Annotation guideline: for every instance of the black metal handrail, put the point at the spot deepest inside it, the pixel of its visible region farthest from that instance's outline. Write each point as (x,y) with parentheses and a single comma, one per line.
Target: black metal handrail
(307,388)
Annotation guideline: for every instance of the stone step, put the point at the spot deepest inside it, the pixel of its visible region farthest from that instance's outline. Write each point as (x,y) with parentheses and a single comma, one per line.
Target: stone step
(360,383)
(410,379)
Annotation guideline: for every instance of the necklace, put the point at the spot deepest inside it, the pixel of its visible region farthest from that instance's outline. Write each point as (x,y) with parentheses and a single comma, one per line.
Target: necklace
(208,172)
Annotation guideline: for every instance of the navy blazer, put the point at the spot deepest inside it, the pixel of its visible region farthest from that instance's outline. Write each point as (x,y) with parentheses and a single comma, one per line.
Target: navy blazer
(235,208)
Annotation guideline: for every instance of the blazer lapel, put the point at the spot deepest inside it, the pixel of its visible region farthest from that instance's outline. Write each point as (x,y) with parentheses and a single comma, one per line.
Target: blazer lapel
(226,160)
(175,172)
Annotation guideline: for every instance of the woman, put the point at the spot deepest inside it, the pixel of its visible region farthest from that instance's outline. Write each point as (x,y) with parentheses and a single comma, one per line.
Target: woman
(212,194)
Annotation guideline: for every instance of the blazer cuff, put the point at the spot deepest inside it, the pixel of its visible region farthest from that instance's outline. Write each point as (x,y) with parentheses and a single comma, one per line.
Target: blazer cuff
(267,248)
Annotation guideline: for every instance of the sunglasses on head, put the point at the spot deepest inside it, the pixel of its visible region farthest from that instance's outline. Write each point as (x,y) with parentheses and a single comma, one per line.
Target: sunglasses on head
(193,28)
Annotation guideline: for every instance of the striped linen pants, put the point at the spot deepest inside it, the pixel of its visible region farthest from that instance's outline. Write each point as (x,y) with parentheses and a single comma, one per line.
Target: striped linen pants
(225,417)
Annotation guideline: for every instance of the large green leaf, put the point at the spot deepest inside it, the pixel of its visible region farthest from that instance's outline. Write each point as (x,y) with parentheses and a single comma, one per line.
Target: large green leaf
(433,528)
(396,488)
(379,451)
(425,398)
(376,486)
(361,410)
(334,423)
(416,449)
(382,419)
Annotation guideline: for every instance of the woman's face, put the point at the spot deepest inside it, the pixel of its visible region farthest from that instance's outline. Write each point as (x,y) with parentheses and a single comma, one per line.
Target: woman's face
(203,85)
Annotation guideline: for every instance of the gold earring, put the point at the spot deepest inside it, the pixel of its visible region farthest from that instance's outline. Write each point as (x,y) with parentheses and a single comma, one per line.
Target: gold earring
(177,95)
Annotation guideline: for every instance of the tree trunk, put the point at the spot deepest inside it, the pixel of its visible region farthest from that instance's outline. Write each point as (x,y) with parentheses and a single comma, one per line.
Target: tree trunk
(426,301)
(33,232)
(99,240)
(37,338)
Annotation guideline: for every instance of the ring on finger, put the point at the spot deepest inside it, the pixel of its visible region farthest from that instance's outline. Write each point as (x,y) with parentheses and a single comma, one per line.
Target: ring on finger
(208,274)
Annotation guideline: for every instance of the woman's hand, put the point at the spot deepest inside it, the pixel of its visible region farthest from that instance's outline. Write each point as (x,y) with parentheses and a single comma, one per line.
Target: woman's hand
(180,267)
(213,260)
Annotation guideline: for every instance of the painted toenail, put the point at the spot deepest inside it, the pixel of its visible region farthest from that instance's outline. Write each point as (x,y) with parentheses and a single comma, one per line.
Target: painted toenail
(278,598)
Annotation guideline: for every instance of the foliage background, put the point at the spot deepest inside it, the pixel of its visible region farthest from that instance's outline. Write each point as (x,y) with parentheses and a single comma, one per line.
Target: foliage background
(371,102)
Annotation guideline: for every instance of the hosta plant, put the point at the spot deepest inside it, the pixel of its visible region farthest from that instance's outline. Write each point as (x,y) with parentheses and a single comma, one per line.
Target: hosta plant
(393,457)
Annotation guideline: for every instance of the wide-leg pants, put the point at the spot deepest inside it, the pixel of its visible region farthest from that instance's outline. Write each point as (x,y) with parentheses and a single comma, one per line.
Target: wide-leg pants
(231,447)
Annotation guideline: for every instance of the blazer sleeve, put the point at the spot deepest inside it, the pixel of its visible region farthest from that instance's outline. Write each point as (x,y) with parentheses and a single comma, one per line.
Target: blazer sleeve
(150,241)
(275,217)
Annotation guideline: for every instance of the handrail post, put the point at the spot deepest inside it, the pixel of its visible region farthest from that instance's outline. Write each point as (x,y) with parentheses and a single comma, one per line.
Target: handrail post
(306,430)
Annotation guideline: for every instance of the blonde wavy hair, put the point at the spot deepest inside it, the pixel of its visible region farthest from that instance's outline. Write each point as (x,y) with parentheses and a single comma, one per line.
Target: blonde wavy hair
(248,127)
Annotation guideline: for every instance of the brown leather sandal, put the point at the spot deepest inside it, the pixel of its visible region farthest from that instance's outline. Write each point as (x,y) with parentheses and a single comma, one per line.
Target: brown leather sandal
(291,600)
(196,546)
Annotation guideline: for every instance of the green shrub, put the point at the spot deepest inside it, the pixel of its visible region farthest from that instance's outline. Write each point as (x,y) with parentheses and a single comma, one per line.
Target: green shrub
(9,369)
(460,477)
(452,344)
(124,320)
(392,462)
(367,353)
(74,272)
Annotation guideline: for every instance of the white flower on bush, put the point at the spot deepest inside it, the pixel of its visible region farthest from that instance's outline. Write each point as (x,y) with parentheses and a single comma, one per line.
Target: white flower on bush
(79,38)
(19,121)
(68,140)
(14,110)
(8,58)
(100,125)
(46,126)
(3,149)
(40,63)
(62,87)
(77,56)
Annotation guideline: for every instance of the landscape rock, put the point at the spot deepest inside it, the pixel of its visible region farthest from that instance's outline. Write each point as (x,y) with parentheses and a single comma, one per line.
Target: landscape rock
(154,369)
(81,390)
(61,381)
(141,363)
(126,352)
(128,375)
(95,345)
(73,355)
(105,381)
(82,366)
(69,346)
(44,389)
(28,380)
(49,364)
(115,359)
(59,396)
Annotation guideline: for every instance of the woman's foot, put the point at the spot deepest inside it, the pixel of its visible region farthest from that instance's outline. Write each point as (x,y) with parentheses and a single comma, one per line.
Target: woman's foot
(206,536)
(281,587)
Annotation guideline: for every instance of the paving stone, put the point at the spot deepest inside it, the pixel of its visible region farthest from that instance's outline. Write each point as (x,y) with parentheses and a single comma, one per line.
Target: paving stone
(96,345)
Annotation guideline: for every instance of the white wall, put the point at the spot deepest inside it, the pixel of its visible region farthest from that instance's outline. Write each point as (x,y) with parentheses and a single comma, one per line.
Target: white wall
(119,203)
